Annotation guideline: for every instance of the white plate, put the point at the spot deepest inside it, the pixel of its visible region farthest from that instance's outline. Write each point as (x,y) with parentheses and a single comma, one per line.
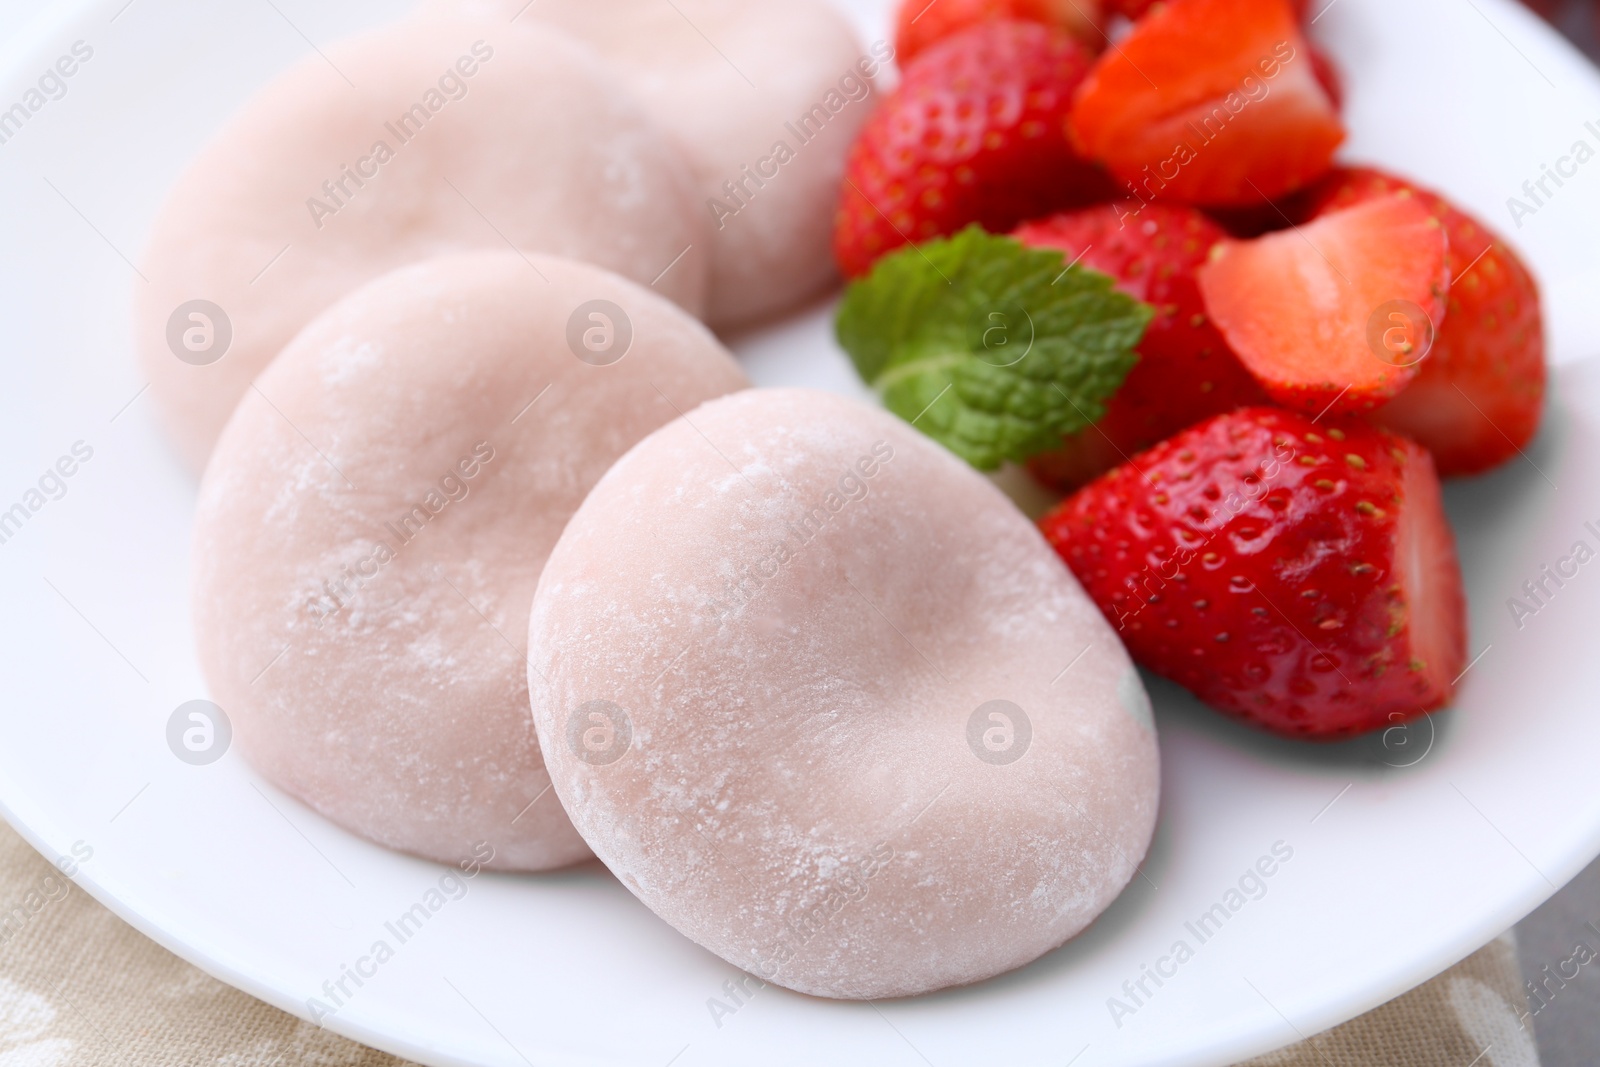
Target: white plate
(1396,872)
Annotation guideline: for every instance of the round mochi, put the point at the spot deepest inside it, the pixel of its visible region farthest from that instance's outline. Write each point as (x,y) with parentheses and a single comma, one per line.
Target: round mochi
(372,526)
(826,702)
(764,99)
(454,135)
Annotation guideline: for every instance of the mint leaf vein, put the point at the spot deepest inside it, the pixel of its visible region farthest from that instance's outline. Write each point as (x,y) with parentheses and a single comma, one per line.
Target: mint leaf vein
(1022,348)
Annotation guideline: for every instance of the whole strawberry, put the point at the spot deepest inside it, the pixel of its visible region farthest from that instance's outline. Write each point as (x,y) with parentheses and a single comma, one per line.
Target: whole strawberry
(974,134)
(1297,575)
(921,23)
(1186,371)
(1479,393)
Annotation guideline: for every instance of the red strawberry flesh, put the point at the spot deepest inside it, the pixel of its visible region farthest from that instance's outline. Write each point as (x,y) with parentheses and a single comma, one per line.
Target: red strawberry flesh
(1479,395)
(1214,102)
(1297,305)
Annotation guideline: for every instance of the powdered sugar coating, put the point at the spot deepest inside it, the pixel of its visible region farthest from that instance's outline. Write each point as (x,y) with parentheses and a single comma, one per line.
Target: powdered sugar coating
(293,204)
(804,609)
(730,80)
(373,522)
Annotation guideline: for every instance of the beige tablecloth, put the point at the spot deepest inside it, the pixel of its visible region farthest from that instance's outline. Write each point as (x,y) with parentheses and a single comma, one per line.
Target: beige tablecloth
(79,987)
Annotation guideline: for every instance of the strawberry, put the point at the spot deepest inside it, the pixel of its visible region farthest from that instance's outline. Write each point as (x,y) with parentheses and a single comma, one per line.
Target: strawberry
(1480,391)
(1327,73)
(1212,102)
(974,134)
(1136,9)
(1299,576)
(1264,216)
(920,23)
(1186,371)
(1300,306)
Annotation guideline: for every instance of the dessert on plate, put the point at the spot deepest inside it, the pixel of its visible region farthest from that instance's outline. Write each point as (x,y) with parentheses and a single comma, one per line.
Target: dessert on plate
(825,701)
(372,525)
(454,136)
(496,545)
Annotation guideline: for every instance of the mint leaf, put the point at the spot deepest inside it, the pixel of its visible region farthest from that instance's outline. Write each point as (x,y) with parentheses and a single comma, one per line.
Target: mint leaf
(991,348)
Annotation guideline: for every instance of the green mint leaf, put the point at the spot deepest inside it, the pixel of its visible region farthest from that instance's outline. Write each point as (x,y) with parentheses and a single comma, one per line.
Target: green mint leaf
(991,348)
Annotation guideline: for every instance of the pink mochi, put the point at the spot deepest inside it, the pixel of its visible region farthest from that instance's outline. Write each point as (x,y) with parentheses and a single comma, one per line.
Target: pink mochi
(763,99)
(455,135)
(372,525)
(827,703)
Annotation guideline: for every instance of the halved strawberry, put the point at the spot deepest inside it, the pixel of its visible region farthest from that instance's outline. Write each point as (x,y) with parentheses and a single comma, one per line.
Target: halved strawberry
(1186,371)
(1209,102)
(1264,215)
(975,133)
(1480,393)
(919,23)
(1299,575)
(1298,306)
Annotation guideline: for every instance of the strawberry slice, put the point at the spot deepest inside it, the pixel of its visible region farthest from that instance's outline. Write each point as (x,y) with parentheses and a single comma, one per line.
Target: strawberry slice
(1299,575)
(1480,393)
(1211,102)
(1299,306)
(921,23)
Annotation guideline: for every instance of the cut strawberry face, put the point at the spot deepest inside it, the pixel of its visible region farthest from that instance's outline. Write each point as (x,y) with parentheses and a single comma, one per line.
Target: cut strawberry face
(1214,102)
(1328,317)
(1429,578)
(1480,394)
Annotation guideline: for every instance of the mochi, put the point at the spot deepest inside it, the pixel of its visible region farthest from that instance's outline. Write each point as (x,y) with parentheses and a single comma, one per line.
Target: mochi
(372,524)
(764,99)
(412,141)
(827,703)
